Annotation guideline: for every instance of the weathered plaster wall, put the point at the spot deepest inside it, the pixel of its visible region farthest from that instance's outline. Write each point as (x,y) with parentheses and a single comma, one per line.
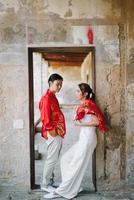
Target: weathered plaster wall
(130,93)
(58,23)
(14,142)
(14,130)
(108,89)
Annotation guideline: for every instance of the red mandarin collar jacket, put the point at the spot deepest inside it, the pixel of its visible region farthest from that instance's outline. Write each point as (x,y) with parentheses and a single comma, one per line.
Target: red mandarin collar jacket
(92,109)
(51,115)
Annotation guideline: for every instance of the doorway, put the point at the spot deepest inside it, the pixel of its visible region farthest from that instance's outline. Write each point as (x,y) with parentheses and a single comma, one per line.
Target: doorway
(75,64)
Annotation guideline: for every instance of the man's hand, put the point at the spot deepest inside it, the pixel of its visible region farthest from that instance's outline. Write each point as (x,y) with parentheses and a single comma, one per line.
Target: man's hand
(52,133)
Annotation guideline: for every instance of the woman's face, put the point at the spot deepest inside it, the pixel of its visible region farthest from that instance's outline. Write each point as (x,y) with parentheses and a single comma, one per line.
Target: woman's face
(56,86)
(79,94)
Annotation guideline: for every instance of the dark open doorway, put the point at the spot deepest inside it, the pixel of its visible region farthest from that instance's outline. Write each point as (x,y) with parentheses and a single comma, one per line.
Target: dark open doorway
(49,53)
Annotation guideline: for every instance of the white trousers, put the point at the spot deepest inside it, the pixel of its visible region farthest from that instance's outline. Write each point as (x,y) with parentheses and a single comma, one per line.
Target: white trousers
(54,145)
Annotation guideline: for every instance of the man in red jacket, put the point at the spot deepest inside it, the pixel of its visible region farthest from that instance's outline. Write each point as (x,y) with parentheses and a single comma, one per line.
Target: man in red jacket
(53,127)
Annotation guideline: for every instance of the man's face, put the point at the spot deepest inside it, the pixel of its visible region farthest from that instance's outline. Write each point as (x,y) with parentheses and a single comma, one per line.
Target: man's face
(56,86)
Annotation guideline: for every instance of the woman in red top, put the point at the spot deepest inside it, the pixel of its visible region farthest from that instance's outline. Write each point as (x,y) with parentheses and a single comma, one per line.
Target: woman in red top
(75,161)
(88,106)
(53,127)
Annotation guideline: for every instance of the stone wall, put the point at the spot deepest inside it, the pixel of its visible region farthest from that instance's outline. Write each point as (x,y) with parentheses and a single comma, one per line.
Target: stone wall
(130,94)
(65,23)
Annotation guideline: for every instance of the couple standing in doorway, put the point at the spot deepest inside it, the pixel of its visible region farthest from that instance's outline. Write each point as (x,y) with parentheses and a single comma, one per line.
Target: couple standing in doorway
(74,162)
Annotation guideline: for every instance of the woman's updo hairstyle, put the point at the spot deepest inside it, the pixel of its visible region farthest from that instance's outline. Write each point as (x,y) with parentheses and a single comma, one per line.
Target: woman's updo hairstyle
(85,88)
(54,77)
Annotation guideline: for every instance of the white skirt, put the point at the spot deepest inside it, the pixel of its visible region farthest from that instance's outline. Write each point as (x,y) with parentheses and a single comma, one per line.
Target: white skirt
(75,161)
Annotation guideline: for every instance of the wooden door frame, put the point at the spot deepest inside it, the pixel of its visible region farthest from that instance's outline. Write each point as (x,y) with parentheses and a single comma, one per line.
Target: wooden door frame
(31,50)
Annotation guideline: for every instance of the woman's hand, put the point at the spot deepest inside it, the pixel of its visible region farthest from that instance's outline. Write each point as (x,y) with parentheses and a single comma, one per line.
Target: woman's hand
(93,123)
(77,122)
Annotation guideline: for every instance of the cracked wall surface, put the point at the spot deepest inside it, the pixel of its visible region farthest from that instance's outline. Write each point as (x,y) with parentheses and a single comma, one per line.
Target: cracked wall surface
(130,94)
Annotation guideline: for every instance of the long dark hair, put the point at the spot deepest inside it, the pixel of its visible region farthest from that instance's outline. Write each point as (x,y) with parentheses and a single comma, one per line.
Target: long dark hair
(85,88)
(54,77)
